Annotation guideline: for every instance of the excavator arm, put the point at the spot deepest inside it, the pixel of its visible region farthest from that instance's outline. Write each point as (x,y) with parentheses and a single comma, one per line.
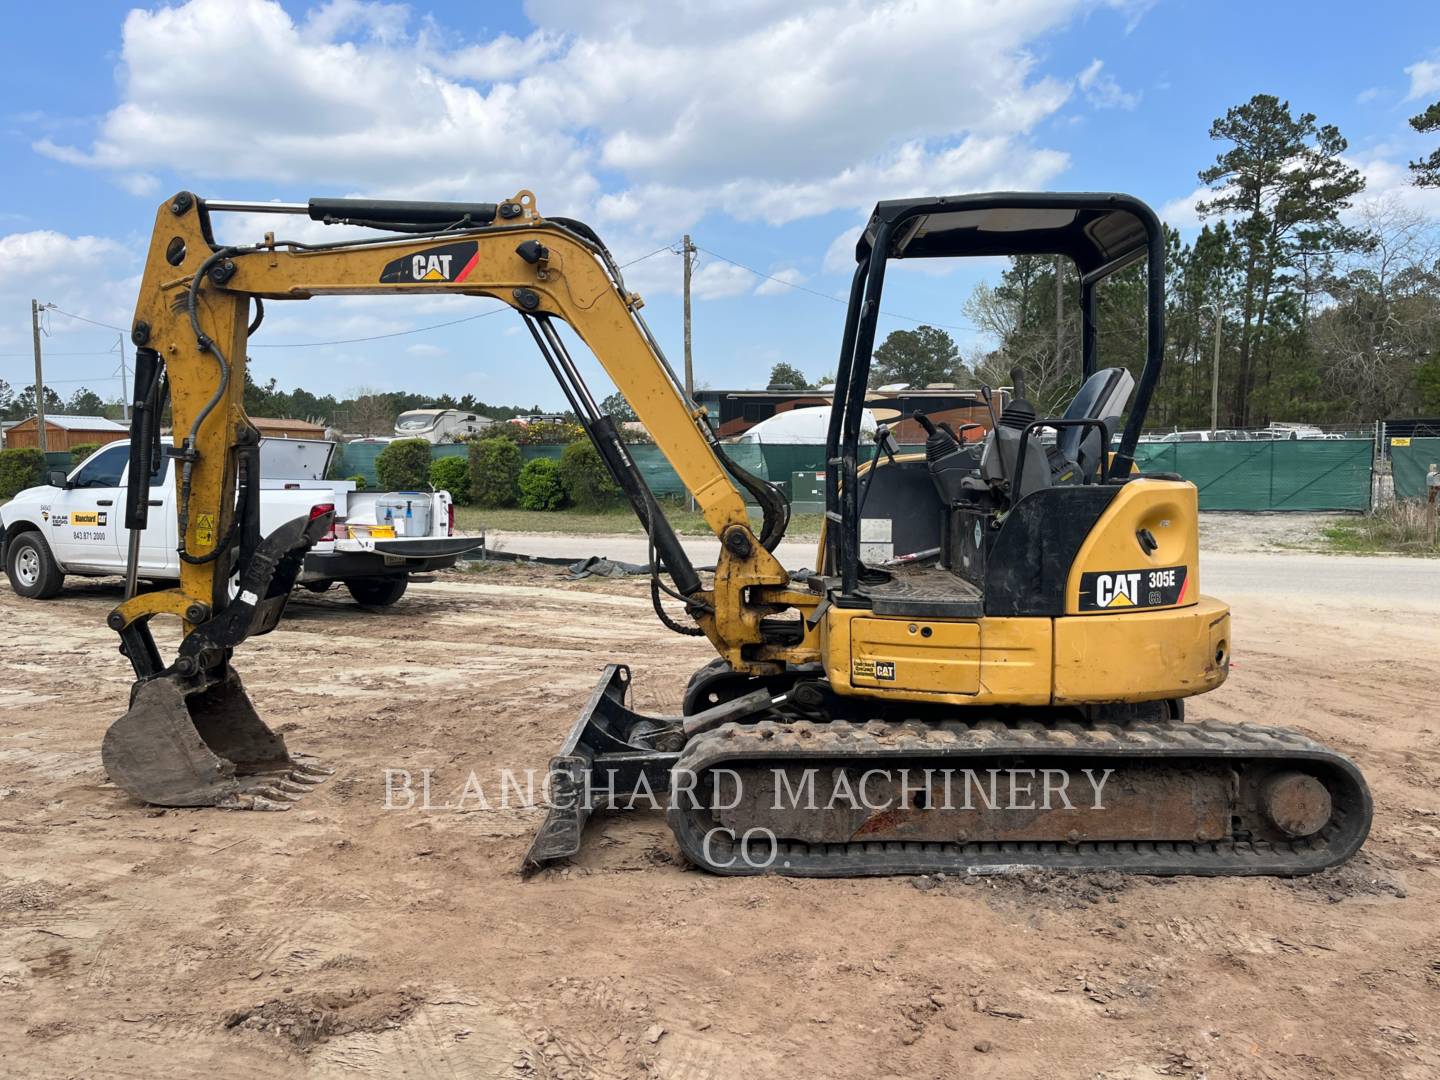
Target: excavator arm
(200,302)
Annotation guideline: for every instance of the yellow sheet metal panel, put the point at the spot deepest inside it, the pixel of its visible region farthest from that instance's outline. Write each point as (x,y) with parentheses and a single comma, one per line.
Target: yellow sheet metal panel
(1013,666)
(1114,572)
(915,654)
(1142,656)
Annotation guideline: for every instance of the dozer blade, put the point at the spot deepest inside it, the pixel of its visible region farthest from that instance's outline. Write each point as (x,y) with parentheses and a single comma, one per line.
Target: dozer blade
(191,737)
(616,757)
(182,744)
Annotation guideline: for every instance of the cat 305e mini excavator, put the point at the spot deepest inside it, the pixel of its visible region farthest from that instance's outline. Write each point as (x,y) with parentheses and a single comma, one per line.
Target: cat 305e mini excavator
(986,670)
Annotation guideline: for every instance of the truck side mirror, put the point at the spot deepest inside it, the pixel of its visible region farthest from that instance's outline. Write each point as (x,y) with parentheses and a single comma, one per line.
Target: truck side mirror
(56,478)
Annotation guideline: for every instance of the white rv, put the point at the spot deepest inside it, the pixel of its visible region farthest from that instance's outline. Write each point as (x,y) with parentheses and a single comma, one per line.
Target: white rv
(439,426)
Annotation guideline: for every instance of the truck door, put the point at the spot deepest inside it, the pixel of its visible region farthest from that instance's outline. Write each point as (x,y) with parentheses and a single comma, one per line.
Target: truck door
(84,519)
(157,542)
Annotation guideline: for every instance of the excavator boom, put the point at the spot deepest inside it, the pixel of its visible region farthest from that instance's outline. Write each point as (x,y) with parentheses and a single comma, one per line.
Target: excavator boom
(191,736)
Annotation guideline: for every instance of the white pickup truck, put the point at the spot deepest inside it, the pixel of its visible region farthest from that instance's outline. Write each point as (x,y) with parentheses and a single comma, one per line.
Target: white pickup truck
(75,524)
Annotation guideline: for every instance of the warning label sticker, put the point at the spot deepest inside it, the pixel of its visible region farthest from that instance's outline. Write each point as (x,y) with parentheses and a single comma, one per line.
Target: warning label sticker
(205,530)
(882,670)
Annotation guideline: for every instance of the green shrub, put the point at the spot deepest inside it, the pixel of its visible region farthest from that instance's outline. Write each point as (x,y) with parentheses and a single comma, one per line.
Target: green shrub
(359,481)
(404,465)
(81,452)
(587,481)
(540,485)
(452,474)
(494,471)
(545,433)
(20,468)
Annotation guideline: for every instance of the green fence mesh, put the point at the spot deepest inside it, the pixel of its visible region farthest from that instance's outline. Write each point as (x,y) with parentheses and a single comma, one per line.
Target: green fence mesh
(1409,462)
(1289,475)
(1310,474)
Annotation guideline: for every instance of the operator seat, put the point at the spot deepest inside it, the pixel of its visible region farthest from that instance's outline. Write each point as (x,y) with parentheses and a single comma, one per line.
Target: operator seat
(1103,397)
(1077,452)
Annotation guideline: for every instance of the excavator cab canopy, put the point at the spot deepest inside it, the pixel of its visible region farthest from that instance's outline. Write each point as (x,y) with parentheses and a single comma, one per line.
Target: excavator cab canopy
(1100,232)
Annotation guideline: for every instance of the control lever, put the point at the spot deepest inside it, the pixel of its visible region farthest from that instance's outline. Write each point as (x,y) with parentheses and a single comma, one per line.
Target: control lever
(885,440)
(1017,379)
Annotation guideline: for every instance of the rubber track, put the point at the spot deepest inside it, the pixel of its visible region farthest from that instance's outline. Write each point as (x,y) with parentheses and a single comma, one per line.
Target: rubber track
(963,744)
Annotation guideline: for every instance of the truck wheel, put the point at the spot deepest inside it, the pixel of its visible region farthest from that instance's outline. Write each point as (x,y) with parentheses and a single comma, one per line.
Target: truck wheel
(377,592)
(31,568)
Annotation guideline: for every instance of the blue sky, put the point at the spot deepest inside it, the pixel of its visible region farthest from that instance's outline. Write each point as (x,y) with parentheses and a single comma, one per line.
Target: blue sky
(764,129)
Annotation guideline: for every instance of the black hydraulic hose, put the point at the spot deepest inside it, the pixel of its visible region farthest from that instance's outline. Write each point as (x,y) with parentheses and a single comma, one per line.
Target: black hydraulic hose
(186,452)
(248,504)
(656,587)
(774,504)
(259,317)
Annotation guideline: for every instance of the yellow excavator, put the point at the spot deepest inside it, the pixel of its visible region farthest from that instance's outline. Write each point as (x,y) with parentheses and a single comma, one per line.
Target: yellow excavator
(986,670)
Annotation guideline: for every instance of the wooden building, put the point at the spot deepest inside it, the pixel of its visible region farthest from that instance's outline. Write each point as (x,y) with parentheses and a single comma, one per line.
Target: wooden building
(64,432)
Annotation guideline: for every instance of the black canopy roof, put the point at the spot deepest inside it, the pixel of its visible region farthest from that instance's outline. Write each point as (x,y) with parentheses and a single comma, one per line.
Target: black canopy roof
(1101,231)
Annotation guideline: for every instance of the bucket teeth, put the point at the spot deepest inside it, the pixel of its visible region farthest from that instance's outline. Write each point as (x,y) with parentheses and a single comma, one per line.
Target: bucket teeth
(244,800)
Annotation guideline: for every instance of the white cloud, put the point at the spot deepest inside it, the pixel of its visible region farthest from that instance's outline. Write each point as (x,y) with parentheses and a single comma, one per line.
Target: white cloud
(1390,182)
(86,275)
(651,116)
(840,255)
(717,280)
(1184,212)
(427,351)
(1101,89)
(1424,79)
(380,21)
(1369,94)
(779,282)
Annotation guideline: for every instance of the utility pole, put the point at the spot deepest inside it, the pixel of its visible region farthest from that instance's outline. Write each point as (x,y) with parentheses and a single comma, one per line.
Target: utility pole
(1059,317)
(689,251)
(35,308)
(1215,376)
(124,381)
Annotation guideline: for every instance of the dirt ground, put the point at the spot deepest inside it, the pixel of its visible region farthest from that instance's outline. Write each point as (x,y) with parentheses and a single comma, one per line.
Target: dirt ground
(344,939)
(1224,531)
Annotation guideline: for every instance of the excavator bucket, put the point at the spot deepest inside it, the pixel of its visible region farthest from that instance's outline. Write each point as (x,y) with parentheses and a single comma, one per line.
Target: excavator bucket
(186,745)
(191,736)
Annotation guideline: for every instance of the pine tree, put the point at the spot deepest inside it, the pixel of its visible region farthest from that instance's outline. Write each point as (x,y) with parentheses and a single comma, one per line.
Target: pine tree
(1283,184)
(1427,170)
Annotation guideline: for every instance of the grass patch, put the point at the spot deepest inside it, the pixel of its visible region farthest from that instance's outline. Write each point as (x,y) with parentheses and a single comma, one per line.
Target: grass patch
(1398,529)
(620,521)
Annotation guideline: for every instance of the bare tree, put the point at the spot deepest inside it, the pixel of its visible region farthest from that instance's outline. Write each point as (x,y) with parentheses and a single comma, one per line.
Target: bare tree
(1383,319)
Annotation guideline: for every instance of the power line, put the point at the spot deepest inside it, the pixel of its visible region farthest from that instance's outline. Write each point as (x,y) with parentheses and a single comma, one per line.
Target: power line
(377,337)
(833,298)
(668,247)
(54,382)
(82,318)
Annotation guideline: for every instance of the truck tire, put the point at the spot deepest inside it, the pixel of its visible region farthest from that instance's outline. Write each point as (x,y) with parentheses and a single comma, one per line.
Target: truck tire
(31,568)
(377,592)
